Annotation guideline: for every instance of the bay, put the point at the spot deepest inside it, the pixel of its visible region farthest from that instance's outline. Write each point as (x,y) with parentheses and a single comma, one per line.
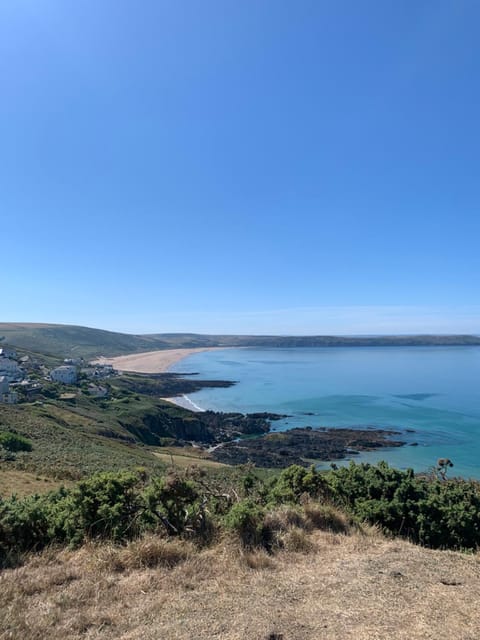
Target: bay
(429,394)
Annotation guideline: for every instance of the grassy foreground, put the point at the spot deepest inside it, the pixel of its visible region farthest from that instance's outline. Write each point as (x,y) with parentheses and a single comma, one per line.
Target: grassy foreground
(322,585)
(193,554)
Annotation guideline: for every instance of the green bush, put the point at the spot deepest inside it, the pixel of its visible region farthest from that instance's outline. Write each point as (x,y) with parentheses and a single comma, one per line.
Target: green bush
(108,505)
(14,442)
(175,502)
(246,519)
(121,506)
(296,481)
(30,523)
(436,513)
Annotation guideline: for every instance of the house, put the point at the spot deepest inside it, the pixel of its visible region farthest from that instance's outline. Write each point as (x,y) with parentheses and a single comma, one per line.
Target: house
(10,369)
(65,374)
(9,398)
(99,371)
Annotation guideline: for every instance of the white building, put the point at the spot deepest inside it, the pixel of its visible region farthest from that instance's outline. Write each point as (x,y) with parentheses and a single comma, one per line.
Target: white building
(64,374)
(77,362)
(10,369)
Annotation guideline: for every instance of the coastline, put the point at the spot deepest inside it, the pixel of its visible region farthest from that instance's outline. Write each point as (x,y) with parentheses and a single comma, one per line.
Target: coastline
(185,403)
(159,361)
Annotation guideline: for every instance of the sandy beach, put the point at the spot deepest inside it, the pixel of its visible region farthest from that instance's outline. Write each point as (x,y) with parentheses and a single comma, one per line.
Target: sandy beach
(156,362)
(151,361)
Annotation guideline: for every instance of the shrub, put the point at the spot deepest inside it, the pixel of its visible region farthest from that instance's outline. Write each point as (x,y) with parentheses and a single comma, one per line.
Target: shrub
(296,481)
(176,503)
(246,518)
(435,513)
(107,506)
(30,523)
(14,442)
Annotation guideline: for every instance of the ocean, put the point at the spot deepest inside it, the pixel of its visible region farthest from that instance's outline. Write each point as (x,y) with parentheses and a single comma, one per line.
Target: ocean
(429,394)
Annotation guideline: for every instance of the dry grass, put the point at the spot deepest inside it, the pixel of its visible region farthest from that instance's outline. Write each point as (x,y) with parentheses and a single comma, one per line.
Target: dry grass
(23,483)
(327,517)
(183,457)
(345,587)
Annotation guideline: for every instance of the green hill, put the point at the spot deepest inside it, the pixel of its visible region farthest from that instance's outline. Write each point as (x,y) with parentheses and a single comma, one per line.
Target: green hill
(70,340)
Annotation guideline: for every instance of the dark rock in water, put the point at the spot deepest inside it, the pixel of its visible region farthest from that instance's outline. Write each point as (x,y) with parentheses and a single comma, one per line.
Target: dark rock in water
(302,446)
(166,384)
(413,444)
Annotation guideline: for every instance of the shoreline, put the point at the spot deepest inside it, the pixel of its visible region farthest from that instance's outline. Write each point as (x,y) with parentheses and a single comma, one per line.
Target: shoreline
(159,361)
(184,402)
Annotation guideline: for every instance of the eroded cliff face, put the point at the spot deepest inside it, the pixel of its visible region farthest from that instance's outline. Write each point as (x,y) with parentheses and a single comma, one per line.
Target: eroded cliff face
(208,427)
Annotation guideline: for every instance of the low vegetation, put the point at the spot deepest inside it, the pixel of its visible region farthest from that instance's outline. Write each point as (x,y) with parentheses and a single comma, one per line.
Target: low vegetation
(120,507)
(185,555)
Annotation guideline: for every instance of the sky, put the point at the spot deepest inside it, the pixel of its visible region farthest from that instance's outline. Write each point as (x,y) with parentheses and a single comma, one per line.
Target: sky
(241,166)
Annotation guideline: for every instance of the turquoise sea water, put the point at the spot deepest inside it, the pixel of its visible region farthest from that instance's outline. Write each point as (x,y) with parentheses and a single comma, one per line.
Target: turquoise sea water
(432,390)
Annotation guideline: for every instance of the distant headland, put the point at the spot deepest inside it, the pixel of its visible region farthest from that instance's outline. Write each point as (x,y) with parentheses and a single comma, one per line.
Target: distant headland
(60,340)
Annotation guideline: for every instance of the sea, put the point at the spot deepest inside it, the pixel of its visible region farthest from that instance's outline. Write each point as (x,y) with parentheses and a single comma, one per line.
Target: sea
(430,395)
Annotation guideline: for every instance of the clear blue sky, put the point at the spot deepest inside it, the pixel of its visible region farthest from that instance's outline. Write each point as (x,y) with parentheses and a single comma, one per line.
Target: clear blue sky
(250,166)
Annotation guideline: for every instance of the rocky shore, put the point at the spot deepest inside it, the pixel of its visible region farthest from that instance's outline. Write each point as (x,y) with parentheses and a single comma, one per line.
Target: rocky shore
(237,438)
(303,446)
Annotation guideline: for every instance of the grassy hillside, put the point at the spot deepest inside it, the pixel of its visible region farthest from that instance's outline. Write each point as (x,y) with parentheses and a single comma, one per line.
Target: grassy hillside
(73,435)
(69,340)
(67,445)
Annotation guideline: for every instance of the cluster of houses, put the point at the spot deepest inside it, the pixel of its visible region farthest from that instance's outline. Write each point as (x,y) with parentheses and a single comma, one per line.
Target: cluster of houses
(13,376)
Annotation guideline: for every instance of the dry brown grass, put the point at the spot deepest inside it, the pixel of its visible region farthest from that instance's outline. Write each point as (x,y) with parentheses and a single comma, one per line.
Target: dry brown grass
(23,483)
(184,457)
(360,587)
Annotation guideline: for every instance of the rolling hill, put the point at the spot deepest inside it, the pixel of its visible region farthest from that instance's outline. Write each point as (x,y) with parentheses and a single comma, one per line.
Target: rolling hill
(70,340)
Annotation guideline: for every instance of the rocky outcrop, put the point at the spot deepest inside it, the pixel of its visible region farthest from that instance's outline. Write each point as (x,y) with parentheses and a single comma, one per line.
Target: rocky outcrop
(302,446)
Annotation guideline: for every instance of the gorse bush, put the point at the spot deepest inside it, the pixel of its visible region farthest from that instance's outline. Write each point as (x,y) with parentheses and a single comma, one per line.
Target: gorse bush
(108,506)
(246,519)
(14,442)
(296,481)
(123,506)
(435,513)
(176,502)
